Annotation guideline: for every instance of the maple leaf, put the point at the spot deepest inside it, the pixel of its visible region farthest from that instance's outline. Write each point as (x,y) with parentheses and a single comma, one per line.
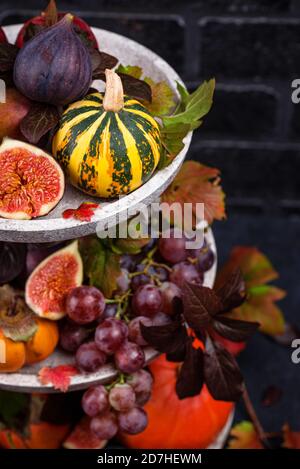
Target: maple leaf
(84,212)
(197,183)
(260,305)
(244,436)
(291,439)
(59,376)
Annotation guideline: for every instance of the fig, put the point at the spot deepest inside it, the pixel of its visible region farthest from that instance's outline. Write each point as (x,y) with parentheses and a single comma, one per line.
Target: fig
(83,438)
(54,66)
(31,182)
(12,112)
(36,24)
(47,286)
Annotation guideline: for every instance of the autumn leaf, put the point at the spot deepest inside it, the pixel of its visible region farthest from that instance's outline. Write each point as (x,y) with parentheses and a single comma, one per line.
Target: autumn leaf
(59,376)
(38,121)
(244,436)
(101,264)
(84,212)
(260,305)
(163,98)
(291,439)
(197,183)
(133,70)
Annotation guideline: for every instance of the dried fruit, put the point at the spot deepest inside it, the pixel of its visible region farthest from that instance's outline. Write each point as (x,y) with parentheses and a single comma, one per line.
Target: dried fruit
(83,438)
(54,67)
(49,283)
(31,182)
(12,112)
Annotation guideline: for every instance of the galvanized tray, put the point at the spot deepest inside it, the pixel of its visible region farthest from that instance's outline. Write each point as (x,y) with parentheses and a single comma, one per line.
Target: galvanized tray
(53,227)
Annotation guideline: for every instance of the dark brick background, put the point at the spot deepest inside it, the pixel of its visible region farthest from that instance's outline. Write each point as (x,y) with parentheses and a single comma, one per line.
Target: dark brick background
(252,134)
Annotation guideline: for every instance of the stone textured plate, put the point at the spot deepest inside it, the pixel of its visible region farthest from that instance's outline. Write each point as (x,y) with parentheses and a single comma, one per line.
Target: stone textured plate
(53,227)
(26,380)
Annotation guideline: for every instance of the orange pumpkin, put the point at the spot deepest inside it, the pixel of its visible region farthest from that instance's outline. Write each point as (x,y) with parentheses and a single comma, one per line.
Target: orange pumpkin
(43,435)
(194,422)
(39,347)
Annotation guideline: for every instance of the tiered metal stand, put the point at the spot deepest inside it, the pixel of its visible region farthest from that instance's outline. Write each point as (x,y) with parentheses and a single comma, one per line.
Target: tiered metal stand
(53,228)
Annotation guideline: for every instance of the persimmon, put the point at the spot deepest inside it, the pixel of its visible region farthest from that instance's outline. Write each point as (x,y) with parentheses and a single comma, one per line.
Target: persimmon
(15,354)
(43,343)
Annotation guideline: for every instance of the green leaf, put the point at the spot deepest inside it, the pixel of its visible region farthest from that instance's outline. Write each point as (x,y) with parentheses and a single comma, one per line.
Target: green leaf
(197,105)
(129,245)
(163,98)
(13,407)
(101,265)
(132,70)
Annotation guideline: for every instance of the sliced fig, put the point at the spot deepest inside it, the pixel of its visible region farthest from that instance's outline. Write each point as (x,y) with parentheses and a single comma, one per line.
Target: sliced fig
(49,283)
(31,182)
(82,437)
(16,319)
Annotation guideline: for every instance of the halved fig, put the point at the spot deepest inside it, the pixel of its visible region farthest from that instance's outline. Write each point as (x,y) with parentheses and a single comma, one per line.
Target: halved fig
(31,181)
(50,282)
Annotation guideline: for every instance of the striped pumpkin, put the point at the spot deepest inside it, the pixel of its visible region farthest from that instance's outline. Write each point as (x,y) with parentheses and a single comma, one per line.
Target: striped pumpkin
(105,152)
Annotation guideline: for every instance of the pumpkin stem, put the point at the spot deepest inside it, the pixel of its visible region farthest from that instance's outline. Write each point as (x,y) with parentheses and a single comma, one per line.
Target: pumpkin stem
(114,94)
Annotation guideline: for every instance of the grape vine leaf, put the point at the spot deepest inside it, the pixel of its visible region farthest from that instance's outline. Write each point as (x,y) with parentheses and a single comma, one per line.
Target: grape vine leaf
(40,118)
(189,382)
(129,245)
(260,305)
(101,264)
(196,183)
(59,376)
(243,436)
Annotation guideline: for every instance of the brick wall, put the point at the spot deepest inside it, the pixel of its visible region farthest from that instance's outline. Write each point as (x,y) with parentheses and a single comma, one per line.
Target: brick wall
(252,47)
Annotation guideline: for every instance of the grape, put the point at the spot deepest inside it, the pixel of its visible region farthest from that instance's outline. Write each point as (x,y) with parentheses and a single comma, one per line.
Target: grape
(161,273)
(206,259)
(129,357)
(122,397)
(110,334)
(161,319)
(141,381)
(142,279)
(169,291)
(134,421)
(173,249)
(147,300)
(185,272)
(110,311)
(127,262)
(105,426)
(72,336)
(95,401)
(12,260)
(89,358)
(85,304)
(194,253)
(134,329)
(123,282)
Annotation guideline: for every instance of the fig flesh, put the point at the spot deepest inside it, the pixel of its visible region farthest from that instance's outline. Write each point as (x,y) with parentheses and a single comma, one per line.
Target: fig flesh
(50,282)
(31,182)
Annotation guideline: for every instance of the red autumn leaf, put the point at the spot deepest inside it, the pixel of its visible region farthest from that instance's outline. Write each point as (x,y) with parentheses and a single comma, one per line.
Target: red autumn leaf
(244,436)
(83,213)
(197,183)
(260,305)
(291,439)
(59,376)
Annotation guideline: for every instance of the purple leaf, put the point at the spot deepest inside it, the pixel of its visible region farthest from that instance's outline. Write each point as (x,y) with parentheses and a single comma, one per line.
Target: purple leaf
(233,292)
(38,121)
(221,373)
(167,338)
(190,379)
(200,305)
(8,54)
(234,329)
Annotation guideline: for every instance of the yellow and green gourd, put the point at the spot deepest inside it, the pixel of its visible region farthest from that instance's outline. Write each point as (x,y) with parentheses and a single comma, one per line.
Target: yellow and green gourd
(108,145)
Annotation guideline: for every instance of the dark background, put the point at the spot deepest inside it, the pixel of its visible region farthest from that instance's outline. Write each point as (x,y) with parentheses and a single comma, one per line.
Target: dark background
(252,135)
